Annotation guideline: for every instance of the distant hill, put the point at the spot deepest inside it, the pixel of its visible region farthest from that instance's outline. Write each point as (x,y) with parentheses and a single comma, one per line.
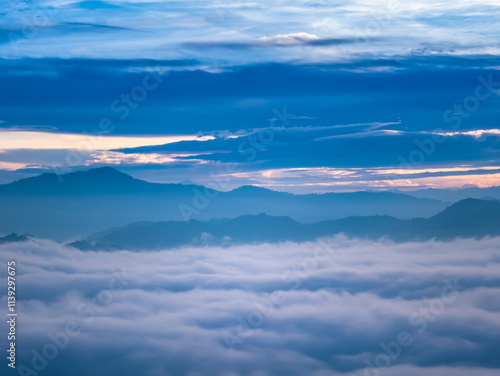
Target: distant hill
(14,238)
(467,218)
(80,203)
(455,195)
(470,218)
(103,180)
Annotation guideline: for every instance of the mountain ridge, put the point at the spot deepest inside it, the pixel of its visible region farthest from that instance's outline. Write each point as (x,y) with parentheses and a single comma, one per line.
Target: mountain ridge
(461,219)
(84,202)
(454,195)
(102,179)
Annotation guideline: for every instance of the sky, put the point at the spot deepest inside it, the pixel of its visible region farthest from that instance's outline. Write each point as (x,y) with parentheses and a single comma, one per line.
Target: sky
(329,308)
(304,96)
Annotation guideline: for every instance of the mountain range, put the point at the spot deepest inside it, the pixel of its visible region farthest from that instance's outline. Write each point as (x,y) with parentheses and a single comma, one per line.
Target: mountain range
(455,195)
(74,205)
(470,218)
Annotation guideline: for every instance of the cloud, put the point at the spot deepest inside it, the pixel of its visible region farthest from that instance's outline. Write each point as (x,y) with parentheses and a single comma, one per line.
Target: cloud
(36,140)
(324,309)
(79,26)
(91,4)
(297,39)
(411,104)
(192,100)
(342,157)
(477,133)
(373,155)
(289,39)
(33,148)
(417,27)
(286,40)
(94,66)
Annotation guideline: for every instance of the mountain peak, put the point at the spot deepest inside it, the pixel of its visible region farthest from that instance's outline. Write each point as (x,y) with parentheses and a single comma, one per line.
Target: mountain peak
(97,180)
(105,170)
(469,207)
(14,238)
(256,190)
(100,173)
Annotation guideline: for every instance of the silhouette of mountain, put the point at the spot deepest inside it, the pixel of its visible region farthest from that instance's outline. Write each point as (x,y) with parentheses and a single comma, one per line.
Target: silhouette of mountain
(103,180)
(77,204)
(470,218)
(261,228)
(455,195)
(14,238)
(361,227)
(85,245)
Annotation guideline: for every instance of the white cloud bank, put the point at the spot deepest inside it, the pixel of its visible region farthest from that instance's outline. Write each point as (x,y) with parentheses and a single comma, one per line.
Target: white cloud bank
(290,309)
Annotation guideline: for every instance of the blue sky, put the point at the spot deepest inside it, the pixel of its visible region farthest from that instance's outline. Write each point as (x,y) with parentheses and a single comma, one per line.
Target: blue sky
(303,96)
